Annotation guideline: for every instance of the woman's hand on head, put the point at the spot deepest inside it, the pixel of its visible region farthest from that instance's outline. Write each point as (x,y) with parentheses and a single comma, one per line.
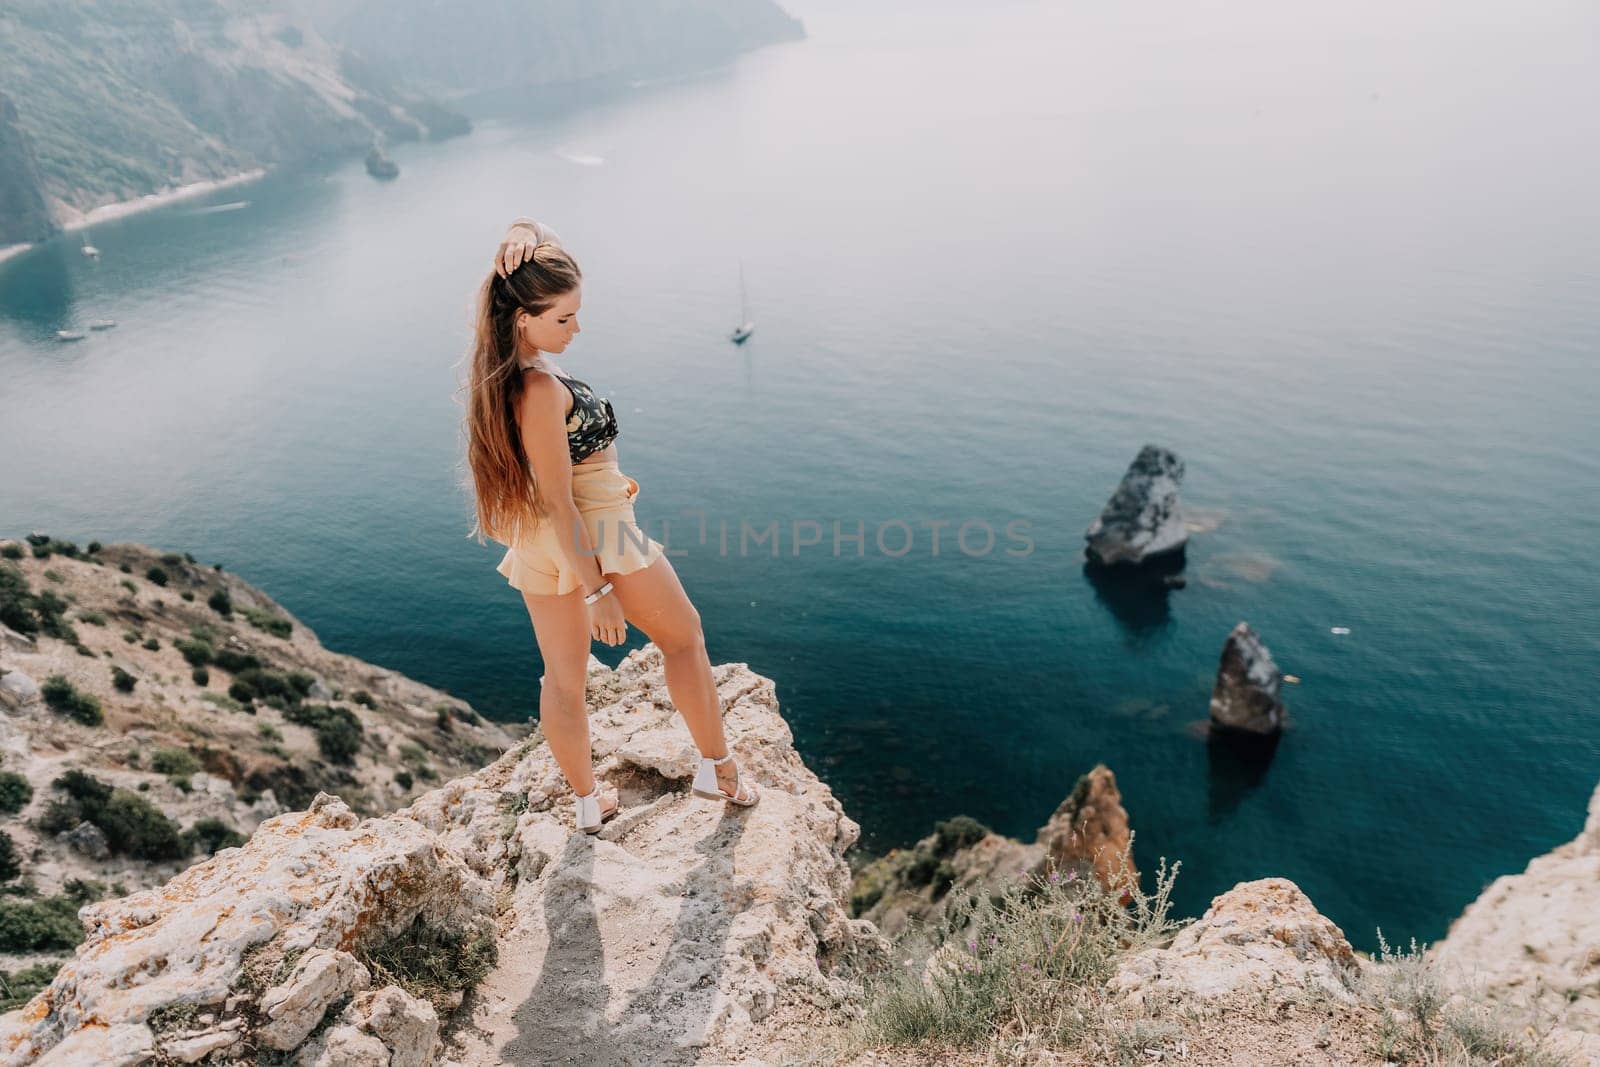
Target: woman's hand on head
(515,250)
(606,621)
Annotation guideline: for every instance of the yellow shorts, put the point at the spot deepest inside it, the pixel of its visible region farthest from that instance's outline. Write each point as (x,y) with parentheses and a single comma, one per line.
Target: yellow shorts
(604,496)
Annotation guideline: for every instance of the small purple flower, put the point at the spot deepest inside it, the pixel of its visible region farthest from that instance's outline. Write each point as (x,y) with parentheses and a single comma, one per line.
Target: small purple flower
(1077,916)
(1072,876)
(972,944)
(1055,876)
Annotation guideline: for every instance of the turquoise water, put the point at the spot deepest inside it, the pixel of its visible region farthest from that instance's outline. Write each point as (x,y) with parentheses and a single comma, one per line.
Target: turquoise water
(1346,265)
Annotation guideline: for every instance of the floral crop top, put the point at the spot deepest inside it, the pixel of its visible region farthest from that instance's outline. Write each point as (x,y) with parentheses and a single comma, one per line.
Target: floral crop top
(592,424)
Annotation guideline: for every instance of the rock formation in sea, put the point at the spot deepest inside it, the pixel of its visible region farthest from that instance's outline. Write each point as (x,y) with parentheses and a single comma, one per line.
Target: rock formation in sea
(1088,835)
(1245,698)
(1143,520)
(24,215)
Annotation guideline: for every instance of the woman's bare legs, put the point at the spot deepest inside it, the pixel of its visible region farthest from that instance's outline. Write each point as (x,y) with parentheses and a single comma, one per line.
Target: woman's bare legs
(653,600)
(561,625)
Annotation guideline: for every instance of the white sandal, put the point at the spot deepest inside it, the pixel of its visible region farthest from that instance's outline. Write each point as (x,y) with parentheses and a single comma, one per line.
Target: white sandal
(706,785)
(589,818)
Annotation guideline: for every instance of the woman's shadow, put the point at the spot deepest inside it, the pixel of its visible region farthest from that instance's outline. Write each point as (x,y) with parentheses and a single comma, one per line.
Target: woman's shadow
(564,1019)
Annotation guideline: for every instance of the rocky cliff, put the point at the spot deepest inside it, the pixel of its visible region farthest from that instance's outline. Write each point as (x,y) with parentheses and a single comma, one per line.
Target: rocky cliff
(154,710)
(121,99)
(686,931)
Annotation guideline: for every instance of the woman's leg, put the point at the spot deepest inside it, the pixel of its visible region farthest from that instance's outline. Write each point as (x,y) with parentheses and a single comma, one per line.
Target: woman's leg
(653,600)
(561,625)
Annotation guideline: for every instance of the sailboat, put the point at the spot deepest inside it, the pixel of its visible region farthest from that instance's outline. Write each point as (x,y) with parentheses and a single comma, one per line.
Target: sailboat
(90,250)
(746,327)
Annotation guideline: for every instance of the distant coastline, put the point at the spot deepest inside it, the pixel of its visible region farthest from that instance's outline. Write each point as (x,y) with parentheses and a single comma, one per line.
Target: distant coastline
(123,208)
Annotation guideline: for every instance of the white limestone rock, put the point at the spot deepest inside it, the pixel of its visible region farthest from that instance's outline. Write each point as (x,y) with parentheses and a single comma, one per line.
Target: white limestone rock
(295,1007)
(1261,937)
(1531,941)
(17,689)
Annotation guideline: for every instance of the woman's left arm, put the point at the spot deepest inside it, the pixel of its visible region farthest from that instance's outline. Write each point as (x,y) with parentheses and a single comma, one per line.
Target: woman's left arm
(524,235)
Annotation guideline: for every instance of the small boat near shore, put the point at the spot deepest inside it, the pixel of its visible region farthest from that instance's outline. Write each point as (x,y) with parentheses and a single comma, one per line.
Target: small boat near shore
(103,324)
(70,335)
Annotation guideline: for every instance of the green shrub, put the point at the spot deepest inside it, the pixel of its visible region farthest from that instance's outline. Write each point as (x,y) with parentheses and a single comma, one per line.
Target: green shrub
(123,681)
(54,576)
(338,730)
(93,618)
(10,860)
(1040,950)
(262,683)
(11,550)
(19,987)
(220,602)
(135,827)
(64,698)
(156,575)
(171,559)
(30,613)
(170,761)
(233,662)
(198,653)
(49,924)
(201,676)
(269,732)
(186,595)
(152,644)
(130,636)
(223,701)
(431,963)
(129,586)
(95,546)
(132,825)
(364,698)
(442,718)
(125,569)
(211,836)
(276,625)
(404,780)
(15,792)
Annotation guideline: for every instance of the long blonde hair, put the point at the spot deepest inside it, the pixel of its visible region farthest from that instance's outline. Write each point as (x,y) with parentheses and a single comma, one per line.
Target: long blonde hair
(500,478)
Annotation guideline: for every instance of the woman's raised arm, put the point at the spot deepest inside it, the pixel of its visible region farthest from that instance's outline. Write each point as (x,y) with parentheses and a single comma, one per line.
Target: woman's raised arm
(524,235)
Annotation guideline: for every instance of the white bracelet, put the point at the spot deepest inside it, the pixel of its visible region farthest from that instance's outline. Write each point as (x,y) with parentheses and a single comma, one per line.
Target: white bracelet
(598,593)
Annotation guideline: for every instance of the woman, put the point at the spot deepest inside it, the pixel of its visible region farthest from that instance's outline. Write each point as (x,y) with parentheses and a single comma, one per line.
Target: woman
(547,483)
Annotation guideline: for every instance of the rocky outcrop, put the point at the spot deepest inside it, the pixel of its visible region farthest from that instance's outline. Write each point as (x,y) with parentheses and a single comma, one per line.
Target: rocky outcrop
(1143,521)
(1263,937)
(1531,941)
(159,710)
(1245,698)
(675,932)
(1088,833)
(24,215)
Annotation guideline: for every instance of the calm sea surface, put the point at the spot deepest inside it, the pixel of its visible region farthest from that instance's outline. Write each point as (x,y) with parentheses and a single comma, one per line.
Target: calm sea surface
(1345,262)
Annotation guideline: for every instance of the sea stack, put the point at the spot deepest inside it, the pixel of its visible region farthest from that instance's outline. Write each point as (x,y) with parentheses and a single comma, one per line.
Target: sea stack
(1090,830)
(1245,698)
(1143,519)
